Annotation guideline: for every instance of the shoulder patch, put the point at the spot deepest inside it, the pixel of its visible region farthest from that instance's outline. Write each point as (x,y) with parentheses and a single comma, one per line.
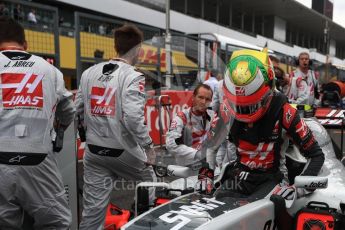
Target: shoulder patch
(183,117)
(288,115)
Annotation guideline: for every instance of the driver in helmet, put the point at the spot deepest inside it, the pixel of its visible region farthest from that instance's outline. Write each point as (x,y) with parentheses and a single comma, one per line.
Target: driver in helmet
(259,120)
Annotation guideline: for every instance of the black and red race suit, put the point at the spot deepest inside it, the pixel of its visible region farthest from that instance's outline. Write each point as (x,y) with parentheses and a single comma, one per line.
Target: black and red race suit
(259,146)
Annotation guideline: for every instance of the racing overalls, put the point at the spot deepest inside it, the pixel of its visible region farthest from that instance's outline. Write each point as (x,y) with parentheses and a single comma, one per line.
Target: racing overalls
(260,163)
(297,91)
(33,95)
(187,133)
(111,99)
(312,85)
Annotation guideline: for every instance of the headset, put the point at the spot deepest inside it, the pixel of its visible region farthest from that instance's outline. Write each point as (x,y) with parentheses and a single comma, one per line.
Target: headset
(310,64)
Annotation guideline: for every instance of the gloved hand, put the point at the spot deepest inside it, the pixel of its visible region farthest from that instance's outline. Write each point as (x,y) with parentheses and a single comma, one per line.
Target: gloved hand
(151,156)
(285,191)
(206,172)
(289,191)
(205,179)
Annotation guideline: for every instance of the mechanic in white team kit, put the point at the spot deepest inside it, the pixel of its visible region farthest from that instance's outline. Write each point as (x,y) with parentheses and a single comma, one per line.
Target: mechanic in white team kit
(33,94)
(305,76)
(295,88)
(110,103)
(189,128)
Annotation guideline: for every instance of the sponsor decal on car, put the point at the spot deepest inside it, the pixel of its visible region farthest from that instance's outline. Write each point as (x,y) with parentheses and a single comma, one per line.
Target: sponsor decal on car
(183,215)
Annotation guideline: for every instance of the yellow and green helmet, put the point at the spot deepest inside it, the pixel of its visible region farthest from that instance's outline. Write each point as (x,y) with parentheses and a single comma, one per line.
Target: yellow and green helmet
(249,84)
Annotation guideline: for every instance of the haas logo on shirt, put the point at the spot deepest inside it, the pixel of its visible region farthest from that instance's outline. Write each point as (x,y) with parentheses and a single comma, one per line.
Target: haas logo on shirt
(260,156)
(21,91)
(103,101)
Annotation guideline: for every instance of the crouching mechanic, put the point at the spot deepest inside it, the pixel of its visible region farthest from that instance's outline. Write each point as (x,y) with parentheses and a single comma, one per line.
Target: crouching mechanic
(111,98)
(189,128)
(33,95)
(262,118)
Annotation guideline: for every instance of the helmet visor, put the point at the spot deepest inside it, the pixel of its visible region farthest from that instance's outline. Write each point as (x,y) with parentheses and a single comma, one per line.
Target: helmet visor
(252,108)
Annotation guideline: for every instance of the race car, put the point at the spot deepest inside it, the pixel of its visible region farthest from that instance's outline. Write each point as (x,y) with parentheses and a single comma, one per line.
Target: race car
(322,209)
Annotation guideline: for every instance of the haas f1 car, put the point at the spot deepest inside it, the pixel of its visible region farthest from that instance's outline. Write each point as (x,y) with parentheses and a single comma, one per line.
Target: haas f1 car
(200,209)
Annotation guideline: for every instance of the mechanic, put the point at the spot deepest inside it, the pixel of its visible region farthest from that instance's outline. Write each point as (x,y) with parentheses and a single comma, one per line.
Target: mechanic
(110,103)
(295,88)
(261,119)
(189,128)
(310,94)
(33,96)
(297,91)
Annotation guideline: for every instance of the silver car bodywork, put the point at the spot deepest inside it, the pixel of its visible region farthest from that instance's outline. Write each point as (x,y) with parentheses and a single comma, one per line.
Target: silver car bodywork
(196,211)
